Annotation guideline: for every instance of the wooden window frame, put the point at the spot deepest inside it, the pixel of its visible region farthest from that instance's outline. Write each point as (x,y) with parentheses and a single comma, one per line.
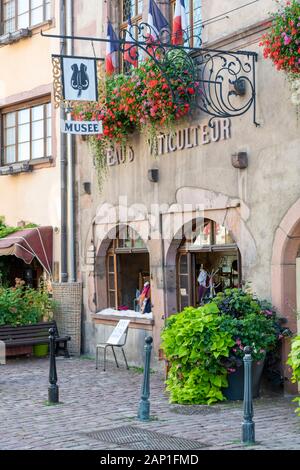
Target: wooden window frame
(43,101)
(190,252)
(137,18)
(191,15)
(3,20)
(114,250)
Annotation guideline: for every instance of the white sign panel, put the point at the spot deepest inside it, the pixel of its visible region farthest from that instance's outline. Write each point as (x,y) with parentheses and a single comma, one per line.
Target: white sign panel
(79,77)
(82,127)
(118,332)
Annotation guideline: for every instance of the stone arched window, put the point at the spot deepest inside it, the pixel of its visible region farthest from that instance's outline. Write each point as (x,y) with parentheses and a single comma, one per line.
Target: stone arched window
(208,248)
(127,269)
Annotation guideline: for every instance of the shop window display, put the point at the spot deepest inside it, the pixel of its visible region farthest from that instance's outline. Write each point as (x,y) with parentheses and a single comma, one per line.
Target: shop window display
(128,273)
(208,262)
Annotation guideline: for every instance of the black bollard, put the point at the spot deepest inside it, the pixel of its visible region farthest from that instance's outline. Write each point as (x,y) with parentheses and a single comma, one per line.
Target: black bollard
(248,432)
(144,406)
(53,392)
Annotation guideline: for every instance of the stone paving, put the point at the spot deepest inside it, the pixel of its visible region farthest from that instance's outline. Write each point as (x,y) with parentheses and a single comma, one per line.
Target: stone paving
(94,400)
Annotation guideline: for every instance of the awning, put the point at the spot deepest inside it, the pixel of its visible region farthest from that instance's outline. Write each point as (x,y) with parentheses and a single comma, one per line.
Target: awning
(28,244)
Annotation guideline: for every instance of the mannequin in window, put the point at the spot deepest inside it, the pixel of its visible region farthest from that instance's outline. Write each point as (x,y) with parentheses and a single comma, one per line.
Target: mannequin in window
(145,302)
(202,279)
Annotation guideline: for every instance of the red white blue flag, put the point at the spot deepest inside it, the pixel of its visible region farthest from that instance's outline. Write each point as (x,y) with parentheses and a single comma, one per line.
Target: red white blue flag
(179,23)
(112,49)
(130,51)
(156,20)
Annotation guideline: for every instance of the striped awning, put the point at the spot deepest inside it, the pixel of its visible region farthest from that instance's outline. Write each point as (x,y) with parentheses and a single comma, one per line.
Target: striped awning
(28,244)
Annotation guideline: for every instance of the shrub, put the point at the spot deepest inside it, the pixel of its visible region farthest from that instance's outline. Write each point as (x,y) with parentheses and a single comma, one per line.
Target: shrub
(204,344)
(194,343)
(24,306)
(252,322)
(294,362)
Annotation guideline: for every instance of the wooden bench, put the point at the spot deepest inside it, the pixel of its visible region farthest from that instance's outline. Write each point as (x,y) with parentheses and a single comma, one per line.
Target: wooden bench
(30,335)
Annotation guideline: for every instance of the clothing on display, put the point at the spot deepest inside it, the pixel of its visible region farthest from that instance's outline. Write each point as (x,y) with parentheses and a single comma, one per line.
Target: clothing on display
(202,279)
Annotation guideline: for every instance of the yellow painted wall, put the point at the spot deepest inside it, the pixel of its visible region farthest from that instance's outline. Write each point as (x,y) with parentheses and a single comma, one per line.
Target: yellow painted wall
(25,68)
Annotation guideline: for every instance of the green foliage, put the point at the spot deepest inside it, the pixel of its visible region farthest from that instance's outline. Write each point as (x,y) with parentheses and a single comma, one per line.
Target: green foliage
(5,230)
(142,101)
(194,343)
(252,322)
(294,362)
(204,344)
(237,302)
(24,306)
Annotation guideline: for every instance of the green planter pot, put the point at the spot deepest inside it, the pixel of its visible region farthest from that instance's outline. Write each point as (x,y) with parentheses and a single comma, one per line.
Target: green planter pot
(40,350)
(235,390)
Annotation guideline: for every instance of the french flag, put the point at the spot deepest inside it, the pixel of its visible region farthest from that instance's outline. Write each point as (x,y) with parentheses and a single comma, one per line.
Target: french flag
(156,20)
(112,49)
(130,51)
(179,23)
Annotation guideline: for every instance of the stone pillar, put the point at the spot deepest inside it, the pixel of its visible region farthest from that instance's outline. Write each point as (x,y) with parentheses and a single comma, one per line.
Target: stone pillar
(68,298)
(298,298)
(298,293)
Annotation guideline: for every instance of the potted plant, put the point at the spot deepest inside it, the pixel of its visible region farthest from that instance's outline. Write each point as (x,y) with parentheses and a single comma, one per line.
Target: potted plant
(252,322)
(22,305)
(194,344)
(205,346)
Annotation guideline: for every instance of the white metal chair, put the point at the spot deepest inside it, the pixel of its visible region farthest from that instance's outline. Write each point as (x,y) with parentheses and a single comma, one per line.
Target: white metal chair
(117,339)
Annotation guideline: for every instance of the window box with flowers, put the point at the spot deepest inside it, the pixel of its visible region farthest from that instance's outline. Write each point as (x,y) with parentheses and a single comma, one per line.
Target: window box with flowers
(282,44)
(146,100)
(205,346)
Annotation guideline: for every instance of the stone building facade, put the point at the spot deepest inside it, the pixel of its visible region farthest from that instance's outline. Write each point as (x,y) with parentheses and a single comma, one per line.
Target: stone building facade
(251,214)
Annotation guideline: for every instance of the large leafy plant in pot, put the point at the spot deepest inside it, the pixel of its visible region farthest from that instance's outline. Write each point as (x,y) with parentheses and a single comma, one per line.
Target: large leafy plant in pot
(205,345)
(252,322)
(194,344)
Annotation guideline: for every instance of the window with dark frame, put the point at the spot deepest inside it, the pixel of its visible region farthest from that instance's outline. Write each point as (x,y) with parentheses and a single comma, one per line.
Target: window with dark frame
(194,19)
(207,239)
(26,133)
(127,241)
(21,14)
(134,10)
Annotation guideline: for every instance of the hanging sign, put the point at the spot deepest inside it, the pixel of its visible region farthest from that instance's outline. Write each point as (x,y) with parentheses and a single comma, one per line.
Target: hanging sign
(79,79)
(82,127)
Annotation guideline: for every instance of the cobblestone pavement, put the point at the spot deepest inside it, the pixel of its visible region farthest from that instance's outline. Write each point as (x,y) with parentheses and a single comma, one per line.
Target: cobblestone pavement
(94,400)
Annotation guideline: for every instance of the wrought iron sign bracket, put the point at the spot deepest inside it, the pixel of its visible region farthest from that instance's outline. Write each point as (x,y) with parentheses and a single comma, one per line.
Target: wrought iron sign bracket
(223,81)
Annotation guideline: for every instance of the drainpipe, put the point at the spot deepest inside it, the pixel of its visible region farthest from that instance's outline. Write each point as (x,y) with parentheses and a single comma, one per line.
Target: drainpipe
(63,164)
(71,159)
(161,233)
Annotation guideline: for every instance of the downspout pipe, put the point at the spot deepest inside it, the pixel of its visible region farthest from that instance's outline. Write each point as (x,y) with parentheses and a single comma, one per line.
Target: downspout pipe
(63,165)
(71,159)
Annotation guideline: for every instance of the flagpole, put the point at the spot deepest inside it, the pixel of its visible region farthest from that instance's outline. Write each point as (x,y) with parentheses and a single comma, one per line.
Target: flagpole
(142,43)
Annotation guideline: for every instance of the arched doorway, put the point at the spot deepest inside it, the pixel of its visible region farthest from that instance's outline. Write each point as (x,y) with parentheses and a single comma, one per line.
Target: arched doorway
(208,261)
(286,279)
(125,260)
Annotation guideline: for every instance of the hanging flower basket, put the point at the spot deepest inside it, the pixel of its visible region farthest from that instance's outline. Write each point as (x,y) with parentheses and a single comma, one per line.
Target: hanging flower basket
(146,100)
(282,42)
